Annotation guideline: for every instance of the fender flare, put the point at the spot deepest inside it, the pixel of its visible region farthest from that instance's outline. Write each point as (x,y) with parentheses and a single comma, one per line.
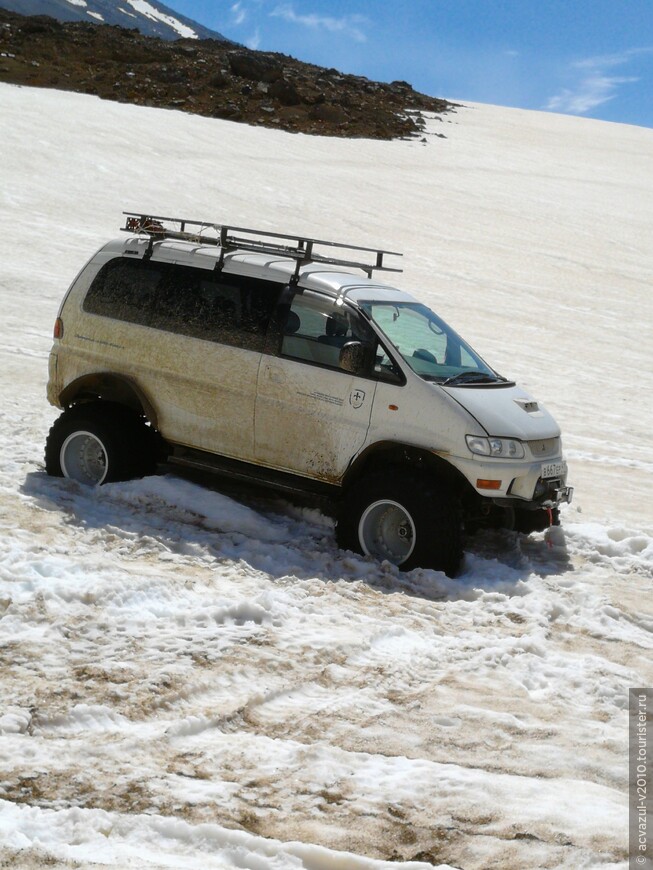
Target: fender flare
(382,454)
(109,387)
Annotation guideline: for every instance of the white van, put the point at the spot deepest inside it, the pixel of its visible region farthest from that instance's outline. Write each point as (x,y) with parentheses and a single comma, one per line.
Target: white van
(264,357)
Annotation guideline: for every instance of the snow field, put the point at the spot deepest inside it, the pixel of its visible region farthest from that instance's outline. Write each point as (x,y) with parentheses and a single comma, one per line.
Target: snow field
(194,679)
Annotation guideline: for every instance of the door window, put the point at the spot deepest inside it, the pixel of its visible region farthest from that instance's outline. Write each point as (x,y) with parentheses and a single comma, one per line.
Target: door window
(318,328)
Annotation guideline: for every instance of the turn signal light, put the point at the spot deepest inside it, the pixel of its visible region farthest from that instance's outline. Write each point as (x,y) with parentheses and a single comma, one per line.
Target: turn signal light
(488,484)
(58,328)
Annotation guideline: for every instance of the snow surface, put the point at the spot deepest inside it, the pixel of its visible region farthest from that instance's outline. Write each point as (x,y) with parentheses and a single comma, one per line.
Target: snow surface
(154,14)
(195,677)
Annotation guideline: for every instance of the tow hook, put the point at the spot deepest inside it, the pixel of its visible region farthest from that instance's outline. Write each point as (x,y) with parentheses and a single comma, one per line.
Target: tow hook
(558,495)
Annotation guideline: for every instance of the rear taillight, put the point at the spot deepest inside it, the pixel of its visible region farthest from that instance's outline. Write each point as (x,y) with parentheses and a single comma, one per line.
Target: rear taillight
(58,328)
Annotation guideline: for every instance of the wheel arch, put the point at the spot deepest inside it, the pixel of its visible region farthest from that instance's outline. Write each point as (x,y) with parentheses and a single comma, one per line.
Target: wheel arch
(109,387)
(383,454)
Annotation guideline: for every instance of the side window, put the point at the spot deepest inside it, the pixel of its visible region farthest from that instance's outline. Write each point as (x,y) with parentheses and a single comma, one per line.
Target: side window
(230,309)
(317,329)
(123,290)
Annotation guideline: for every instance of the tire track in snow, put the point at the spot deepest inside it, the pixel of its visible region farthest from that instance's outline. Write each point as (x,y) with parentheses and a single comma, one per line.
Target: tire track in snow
(183,612)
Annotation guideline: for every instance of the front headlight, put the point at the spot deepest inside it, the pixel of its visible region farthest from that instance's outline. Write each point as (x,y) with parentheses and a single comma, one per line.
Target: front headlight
(501,448)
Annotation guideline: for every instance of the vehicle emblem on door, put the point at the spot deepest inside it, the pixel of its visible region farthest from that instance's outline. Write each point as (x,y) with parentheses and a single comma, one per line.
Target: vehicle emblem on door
(356,398)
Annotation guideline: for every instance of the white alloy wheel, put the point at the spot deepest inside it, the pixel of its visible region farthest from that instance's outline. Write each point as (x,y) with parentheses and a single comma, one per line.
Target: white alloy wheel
(387,531)
(83,457)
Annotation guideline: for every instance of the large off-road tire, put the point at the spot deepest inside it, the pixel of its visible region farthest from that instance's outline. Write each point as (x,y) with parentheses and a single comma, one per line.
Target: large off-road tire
(99,442)
(400,516)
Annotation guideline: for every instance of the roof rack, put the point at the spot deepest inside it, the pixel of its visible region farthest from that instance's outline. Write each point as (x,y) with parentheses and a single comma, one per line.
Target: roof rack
(229,238)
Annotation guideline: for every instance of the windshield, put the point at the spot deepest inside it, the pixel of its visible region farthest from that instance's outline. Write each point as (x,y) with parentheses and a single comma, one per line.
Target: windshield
(430,347)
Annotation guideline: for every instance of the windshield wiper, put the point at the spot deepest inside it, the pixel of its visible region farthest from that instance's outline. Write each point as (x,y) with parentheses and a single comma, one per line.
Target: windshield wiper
(473,378)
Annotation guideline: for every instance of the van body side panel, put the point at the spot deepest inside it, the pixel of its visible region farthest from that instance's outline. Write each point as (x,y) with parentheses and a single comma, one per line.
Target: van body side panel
(310,420)
(419,415)
(204,395)
(202,392)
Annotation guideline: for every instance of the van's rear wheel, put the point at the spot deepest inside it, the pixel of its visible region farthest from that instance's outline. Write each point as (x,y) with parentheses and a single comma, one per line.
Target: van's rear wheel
(397,516)
(99,442)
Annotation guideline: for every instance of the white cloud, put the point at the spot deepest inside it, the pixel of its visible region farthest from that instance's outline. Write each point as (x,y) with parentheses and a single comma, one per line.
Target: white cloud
(242,13)
(347,25)
(254,40)
(609,60)
(589,93)
(239,14)
(594,85)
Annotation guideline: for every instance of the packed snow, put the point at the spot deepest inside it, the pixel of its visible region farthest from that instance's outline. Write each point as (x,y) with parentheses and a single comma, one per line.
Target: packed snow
(155,14)
(195,676)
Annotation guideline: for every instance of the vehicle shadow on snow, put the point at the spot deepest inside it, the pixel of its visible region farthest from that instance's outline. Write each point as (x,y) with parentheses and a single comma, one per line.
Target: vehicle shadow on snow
(175,515)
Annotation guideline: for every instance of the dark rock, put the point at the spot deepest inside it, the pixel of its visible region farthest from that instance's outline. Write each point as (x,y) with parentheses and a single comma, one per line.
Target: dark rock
(285,92)
(219,80)
(329,113)
(229,113)
(169,75)
(254,68)
(39,24)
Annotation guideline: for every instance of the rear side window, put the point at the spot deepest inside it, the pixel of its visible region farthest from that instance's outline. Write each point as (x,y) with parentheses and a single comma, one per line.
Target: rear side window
(230,309)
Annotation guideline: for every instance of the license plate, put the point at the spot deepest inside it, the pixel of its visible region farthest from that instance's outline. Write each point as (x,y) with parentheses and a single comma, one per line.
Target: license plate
(553,469)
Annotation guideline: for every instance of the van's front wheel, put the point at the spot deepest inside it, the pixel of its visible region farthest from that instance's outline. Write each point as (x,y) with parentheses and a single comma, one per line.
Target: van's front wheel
(398,516)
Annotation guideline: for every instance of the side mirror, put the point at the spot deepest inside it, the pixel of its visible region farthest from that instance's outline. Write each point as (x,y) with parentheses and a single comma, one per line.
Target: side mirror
(353,357)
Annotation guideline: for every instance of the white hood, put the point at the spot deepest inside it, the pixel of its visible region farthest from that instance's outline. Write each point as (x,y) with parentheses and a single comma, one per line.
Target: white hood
(507,412)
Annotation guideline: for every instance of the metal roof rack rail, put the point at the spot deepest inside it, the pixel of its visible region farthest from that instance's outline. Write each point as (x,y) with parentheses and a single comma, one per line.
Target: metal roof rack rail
(302,249)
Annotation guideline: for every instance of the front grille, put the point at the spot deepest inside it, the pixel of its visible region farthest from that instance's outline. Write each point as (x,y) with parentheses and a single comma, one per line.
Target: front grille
(544,448)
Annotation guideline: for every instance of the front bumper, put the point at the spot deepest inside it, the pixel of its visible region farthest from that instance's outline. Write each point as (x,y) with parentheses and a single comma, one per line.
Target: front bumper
(527,484)
(548,494)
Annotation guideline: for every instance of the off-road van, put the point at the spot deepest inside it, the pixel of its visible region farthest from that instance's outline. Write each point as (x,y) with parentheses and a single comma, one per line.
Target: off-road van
(281,359)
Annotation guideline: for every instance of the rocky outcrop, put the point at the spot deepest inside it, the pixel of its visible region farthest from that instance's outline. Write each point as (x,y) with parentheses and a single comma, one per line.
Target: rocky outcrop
(207,77)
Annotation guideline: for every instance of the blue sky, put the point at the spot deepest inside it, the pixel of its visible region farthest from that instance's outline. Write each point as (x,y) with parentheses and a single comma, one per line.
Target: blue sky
(585,57)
